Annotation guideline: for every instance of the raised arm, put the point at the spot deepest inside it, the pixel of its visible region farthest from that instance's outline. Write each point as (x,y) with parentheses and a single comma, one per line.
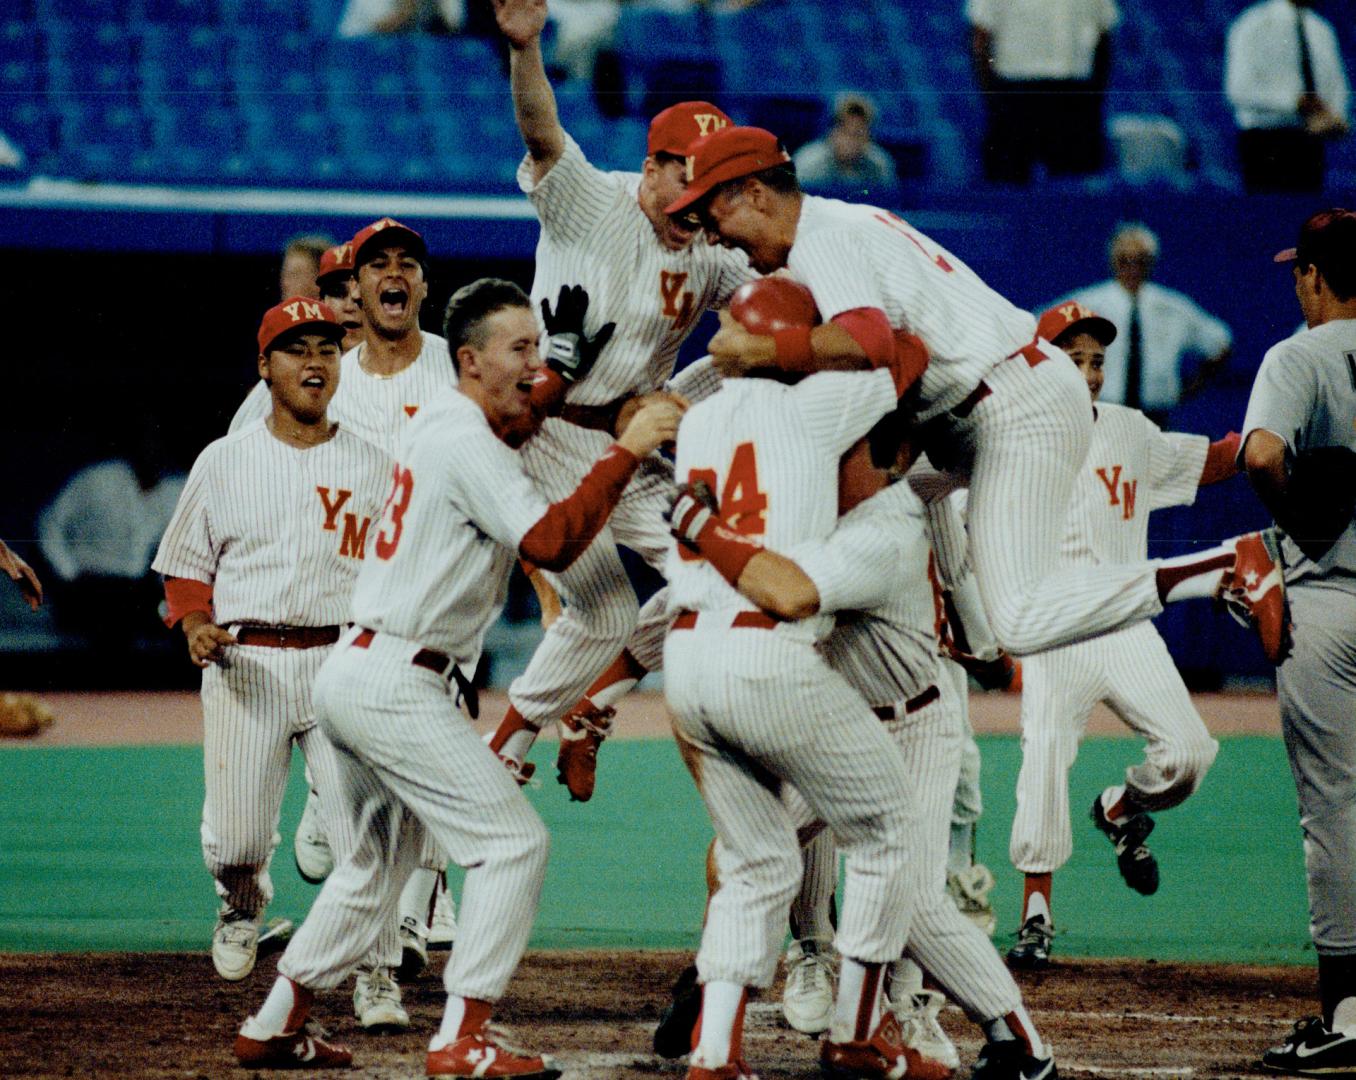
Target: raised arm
(534,102)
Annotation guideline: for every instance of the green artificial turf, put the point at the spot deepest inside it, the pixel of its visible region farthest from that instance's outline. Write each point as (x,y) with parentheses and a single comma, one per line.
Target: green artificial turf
(99,851)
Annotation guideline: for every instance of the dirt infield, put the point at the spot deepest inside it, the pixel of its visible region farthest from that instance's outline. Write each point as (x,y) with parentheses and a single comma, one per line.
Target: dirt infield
(164,1015)
(136,719)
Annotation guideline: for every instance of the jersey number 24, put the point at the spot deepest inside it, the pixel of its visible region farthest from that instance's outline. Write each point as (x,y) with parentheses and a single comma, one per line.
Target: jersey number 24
(743,504)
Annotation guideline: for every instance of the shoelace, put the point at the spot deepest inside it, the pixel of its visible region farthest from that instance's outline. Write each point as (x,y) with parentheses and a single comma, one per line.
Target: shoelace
(810,973)
(238,933)
(382,988)
(598,724)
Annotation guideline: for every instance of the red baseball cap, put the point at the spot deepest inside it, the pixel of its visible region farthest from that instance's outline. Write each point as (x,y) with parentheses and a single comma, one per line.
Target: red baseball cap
(298,313)
(727,154)
(679,126)
(1327,239)
(336,262)
(393,233)
(1073,317)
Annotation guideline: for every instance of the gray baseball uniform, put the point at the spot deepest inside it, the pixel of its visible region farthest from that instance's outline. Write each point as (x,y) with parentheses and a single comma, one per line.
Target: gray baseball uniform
(1305,393)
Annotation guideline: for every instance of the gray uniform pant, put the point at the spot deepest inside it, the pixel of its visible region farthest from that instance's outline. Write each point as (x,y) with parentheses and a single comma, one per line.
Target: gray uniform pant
(1316,685)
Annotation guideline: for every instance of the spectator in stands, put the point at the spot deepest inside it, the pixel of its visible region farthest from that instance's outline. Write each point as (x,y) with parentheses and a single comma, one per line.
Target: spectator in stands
(1043,66)
(846,156)
(300,264)
(1160,329)
(362,18)
(1284,77)
(98,537)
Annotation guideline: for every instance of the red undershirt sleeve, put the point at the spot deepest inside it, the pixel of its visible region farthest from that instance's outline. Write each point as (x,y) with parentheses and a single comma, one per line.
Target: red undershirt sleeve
(183,595)
(569,526)
(1221,460)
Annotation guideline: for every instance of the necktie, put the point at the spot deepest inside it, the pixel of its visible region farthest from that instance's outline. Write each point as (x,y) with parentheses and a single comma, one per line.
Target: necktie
(1306,59)
(1134,357)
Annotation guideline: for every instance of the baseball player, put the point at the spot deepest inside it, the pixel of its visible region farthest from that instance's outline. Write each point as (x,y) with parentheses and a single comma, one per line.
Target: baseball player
(22,575)
(260,560)
(1298,439)
(1132,469)
(460,510)
(339,290)
(387,378)
(740,684)
(874,569)
(1003,411)
(609,232)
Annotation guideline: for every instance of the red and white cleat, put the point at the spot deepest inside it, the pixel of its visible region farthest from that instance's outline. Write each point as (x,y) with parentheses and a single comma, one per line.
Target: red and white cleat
(1253,591)
(582,731)
(734,1070)
(884,1056)
(302,1049)
(481,1054)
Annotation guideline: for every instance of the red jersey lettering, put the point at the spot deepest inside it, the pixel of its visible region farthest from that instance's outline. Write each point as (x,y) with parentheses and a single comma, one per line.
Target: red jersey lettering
(332,508)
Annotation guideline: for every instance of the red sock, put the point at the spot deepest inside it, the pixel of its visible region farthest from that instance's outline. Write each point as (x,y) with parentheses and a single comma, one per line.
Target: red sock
(513,721)
(301,1006)
(624,667)
(1035,885)
(476,1016)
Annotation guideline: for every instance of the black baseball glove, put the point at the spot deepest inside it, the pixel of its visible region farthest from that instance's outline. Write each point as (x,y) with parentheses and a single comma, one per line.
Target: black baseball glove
(570,352)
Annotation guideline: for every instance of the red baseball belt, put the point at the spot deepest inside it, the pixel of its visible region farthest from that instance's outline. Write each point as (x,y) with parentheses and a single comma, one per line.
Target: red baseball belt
(288,637)
(440,664)
(1031,353)
(743,620)
(927,697)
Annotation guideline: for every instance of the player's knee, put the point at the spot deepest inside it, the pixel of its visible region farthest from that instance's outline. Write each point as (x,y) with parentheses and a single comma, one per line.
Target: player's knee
(529,843)
(612,621)
(783,872)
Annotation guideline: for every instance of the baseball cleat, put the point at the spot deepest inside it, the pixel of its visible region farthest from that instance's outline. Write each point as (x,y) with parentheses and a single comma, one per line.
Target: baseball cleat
(276,934)
(1032,951)
(1009,1060)
(235,945)
(521,771)
(884,1056)
(1137,864)
(442,928)
(482,1054)
(582,731)
(1312,1049)
(673,1036)
(376,1002)
(1253,591)
(807,999)
(413,948)
(303,1049)
(310,845)
(969,890)
(917,1013)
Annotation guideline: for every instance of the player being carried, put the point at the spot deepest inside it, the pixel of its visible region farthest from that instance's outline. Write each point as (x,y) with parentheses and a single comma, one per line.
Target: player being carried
(607,231)
(1132,469)
(1001,410)
(460,510)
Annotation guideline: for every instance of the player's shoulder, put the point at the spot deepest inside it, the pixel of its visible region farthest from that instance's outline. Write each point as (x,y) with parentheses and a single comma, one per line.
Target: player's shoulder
(232,447)
(895,502)
(350,442)
(1121,422)
(820,216)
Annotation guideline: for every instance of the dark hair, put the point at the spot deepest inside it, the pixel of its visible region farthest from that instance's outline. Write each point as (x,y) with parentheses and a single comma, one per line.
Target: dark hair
(781,178)
(663,157)
(471,305)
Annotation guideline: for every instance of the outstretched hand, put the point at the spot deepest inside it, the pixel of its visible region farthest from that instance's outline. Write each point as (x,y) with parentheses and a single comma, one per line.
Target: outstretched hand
(570,352)
(520,21)
(22,574)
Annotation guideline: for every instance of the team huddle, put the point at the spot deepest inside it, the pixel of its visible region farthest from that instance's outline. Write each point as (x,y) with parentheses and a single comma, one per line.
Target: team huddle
(884,476)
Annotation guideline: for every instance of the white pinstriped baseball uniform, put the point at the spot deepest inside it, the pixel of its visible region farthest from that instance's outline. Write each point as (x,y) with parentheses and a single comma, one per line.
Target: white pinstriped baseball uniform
(436,579)
(279,533)
(593,233)
(873,571)
(373,406)
(1132,468)
(1019,447)
(757,707)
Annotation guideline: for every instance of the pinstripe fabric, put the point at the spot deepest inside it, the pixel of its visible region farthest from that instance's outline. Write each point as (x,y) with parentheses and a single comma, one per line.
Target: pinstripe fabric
(740,700)
(373,406)
(968,805)
(947,538)
(852,256)
(1131,468)
(593,233)
(407,754)
(696,382)
(279,532)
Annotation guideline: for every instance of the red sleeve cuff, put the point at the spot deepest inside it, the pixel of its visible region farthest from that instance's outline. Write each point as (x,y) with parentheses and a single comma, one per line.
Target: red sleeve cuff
(1221,460)
(871,330)
(184,595)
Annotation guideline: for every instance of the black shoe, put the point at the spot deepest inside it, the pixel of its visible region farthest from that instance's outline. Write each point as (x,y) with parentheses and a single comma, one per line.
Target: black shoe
(1008,1060)
(1137,863)
(1312,1050)
(673,1036)
(1032,951)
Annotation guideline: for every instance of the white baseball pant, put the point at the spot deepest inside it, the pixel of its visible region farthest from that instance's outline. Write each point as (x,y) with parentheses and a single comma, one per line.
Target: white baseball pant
(1132,672)
(753,711)
(600,610)
(409,754)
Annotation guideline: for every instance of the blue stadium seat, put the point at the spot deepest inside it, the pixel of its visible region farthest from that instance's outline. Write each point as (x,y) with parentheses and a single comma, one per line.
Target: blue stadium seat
(261,62)
(84,57)
(185,60)
(29,123)
(100,120)
(191,12)
(87,11)
(277,16)
(22,67)
(101,162)
(175,123)
(441,66)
